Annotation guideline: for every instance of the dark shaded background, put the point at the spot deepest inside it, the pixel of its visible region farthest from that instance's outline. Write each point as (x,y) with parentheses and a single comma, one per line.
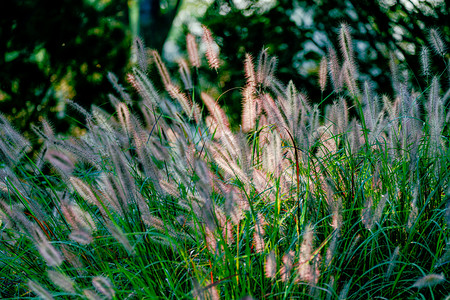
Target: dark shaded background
(378,29)
(53,50)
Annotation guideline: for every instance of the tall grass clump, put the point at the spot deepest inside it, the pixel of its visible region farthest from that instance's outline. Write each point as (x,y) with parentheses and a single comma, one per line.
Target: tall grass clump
(166,199)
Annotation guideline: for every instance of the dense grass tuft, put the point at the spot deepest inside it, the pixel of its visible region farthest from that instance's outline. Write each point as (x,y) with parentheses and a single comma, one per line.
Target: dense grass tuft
(167,199)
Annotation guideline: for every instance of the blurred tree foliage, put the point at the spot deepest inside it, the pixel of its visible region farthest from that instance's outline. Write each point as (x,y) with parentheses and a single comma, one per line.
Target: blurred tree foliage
(155,20)
(300,32)
(54,50)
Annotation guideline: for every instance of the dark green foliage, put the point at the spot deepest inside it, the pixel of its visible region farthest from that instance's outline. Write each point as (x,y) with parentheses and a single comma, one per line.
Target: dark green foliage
(299,33)
(52,50)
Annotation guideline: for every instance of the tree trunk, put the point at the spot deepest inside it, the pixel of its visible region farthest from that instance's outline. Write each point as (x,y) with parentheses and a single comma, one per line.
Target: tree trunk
(150,22)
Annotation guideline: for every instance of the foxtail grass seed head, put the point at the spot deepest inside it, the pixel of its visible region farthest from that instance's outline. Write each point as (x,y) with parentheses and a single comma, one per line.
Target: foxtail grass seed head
(210,240)
(15,218)
(76,217)
(350,80)
(330,289)
(235,205)
(51,256)
(112,78)
(182,99)
(288,263)
(144,87)
(344,292)
(258,235)
(341,116)
(196,289)
(81,236)
(192,50)
(60,161)
(334,69)
(91,295)
(163,73)
(62,281)
(73,259)
(438,45)
(216,111)
(157,222)
(83,190)
(331,251)
(346,42)
(119,88)
(248,109)
(378,213)
(307,268)
(39,290)
(185,74)
(262,62)
(12,144)
(249,69)
(212,50)
(429,281)
(414,210)
(209,292)
(212,293)
(445,258)
(140,54)
(120,237)
(425,61)
(270,267)
(104,286)
(307,243)
(367,213)
(228,232)
(323,74)
(392,263)
(435,110)
(394,72)
(265,73)
(123,114)
(292,105)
